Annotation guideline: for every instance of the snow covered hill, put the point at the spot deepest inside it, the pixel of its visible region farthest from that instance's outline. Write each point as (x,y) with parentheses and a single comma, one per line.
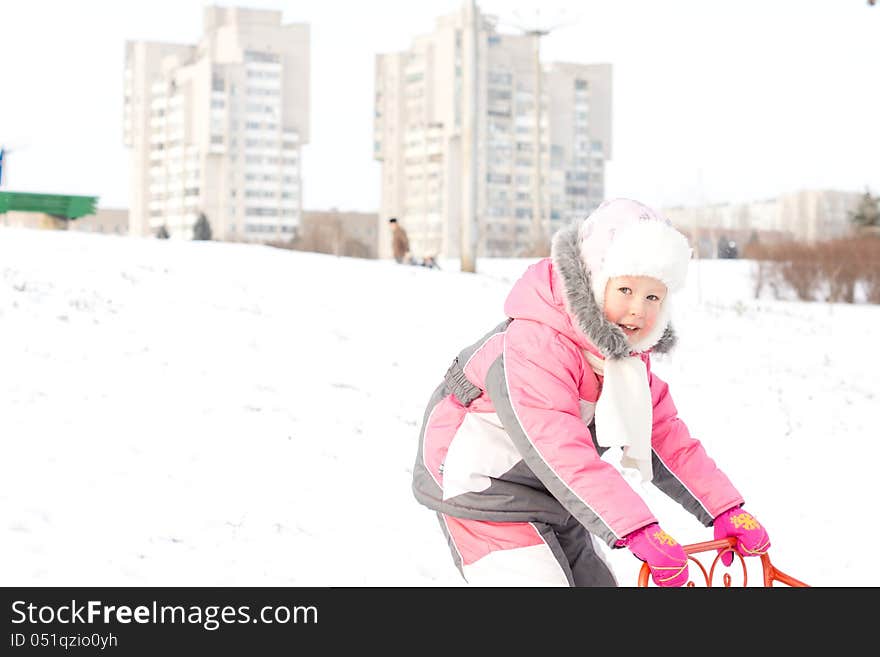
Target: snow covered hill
(201,413)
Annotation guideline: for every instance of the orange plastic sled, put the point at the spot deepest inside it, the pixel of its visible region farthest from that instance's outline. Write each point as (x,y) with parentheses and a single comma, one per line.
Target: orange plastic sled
(771,573)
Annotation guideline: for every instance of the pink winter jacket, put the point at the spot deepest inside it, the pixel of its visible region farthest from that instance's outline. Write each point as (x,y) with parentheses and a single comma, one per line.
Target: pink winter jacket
(507,435)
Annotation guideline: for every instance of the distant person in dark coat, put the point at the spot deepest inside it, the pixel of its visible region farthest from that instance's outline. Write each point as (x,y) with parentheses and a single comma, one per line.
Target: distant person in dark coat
(399,240)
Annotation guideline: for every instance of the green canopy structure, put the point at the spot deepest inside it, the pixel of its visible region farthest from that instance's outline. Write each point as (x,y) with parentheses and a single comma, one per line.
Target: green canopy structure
(56,205)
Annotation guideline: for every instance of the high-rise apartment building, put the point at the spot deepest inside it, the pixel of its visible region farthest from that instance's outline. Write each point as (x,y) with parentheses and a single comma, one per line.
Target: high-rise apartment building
(218,127)
(420,101)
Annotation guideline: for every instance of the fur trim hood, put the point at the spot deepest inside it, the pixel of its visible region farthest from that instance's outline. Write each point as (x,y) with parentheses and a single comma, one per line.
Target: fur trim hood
(620,237)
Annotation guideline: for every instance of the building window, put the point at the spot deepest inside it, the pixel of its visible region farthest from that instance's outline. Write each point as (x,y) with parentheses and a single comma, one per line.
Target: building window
(256,56)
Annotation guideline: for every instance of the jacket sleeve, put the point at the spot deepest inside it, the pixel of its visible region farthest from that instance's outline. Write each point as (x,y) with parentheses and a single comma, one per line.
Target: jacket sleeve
(682,468)
(535,393)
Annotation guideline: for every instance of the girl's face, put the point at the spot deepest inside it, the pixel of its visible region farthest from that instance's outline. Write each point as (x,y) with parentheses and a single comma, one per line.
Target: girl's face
(633,303)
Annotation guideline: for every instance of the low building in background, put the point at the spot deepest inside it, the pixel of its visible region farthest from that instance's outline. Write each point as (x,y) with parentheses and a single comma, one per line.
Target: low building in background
(804,216)
(338,232)
(113,221)
(39,220)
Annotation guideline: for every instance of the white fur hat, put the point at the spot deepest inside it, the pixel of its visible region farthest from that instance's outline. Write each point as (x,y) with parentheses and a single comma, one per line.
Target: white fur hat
(626,238)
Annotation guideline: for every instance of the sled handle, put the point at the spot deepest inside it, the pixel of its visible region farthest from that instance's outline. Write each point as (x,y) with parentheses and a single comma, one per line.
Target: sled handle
(771,573)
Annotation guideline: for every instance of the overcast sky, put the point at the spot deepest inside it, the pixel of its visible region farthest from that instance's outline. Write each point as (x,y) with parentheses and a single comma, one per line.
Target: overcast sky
(712,101)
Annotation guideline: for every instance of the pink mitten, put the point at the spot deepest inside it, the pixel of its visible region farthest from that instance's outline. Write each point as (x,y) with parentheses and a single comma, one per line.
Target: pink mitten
(664,556)
(751,537)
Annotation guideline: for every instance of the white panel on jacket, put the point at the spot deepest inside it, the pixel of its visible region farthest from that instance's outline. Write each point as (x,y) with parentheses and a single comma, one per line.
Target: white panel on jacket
(480,449)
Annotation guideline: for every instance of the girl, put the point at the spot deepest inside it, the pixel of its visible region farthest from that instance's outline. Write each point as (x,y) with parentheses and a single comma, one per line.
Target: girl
(510,449)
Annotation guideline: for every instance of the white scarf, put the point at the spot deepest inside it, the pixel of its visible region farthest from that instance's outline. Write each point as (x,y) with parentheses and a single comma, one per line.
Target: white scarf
(624,412)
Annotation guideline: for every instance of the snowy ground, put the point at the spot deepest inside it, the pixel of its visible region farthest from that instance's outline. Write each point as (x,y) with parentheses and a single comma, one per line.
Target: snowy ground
(209,414)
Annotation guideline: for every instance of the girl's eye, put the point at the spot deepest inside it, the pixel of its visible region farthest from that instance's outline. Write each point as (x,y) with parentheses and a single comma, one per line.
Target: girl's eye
(653,297)
(625,290)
